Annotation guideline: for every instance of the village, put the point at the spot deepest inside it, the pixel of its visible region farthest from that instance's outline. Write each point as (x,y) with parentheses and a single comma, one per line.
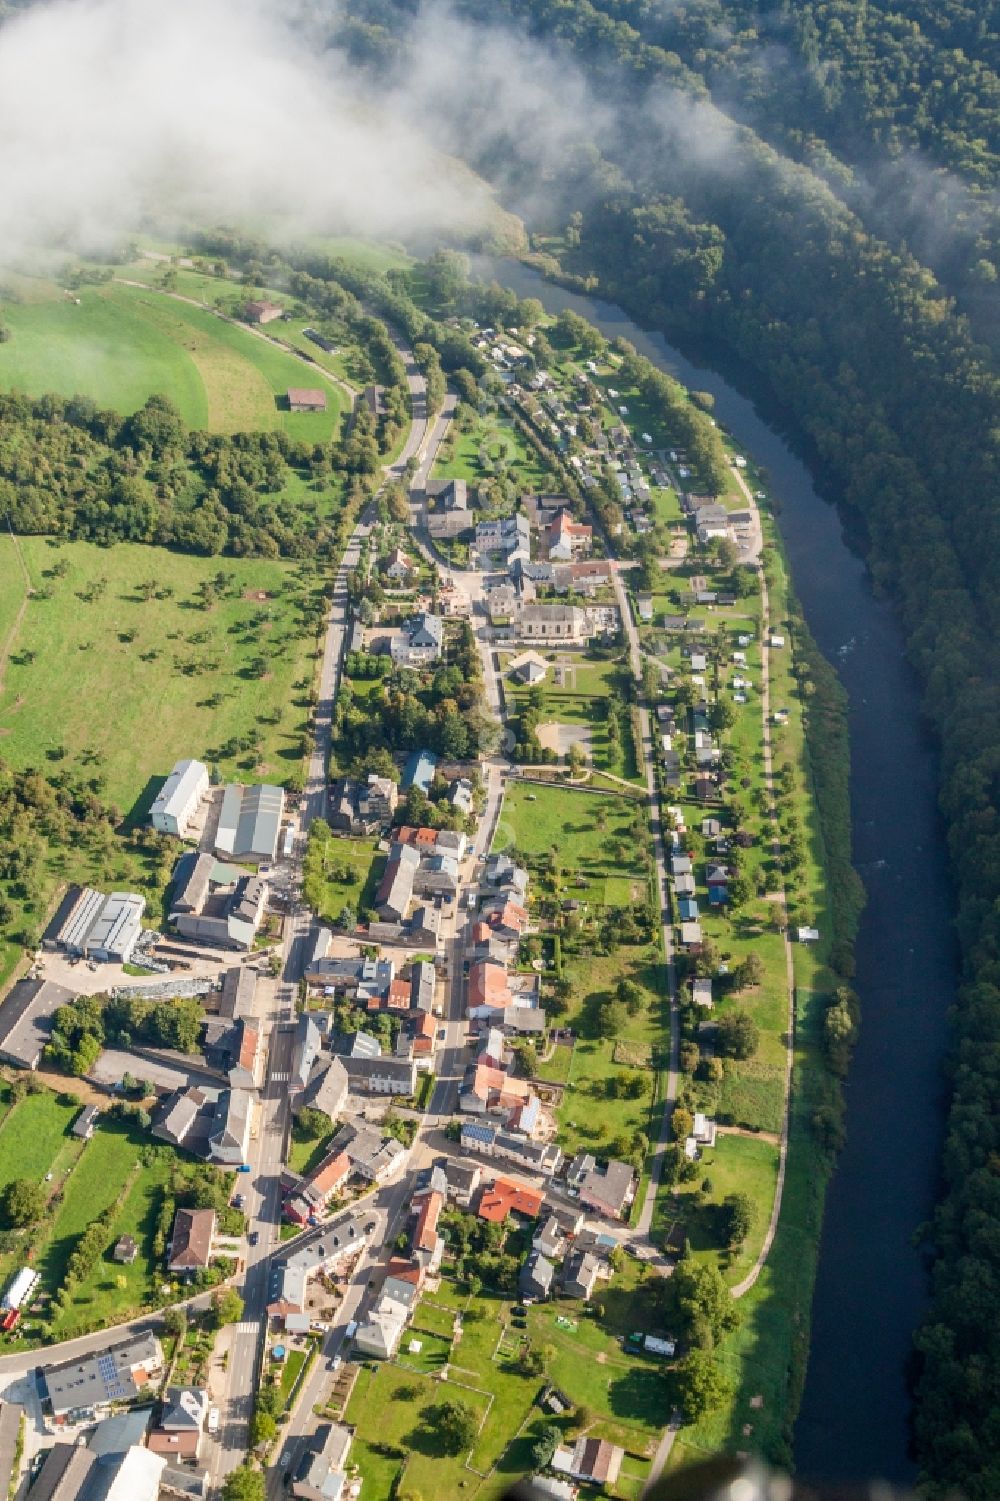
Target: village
(389,1044)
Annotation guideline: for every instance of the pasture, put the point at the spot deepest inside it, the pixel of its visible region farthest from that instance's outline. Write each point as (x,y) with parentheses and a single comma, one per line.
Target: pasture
(99,675)
(120,344)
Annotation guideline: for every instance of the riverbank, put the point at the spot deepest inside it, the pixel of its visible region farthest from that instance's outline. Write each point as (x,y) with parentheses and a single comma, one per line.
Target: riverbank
(871,1287)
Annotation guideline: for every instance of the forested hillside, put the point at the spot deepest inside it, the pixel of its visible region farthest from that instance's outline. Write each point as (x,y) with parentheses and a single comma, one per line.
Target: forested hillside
(888,393)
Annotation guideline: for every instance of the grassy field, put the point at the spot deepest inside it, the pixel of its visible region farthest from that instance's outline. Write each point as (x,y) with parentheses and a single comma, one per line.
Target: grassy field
(87,1178)
(165,662)
(475,455)
(585,828)
(120,344)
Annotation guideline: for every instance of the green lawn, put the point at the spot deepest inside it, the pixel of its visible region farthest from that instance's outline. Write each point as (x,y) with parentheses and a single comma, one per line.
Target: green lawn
(186,667)
(582,699)
(306,1151)
(32,1135)
(585,828)
(736,1164)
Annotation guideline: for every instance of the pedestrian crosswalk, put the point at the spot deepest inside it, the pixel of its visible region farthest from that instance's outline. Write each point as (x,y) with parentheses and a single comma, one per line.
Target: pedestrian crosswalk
(279,1078)
(246,1327)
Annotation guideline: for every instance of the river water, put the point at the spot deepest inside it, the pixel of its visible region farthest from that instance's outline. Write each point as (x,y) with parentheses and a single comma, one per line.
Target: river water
(871,1285)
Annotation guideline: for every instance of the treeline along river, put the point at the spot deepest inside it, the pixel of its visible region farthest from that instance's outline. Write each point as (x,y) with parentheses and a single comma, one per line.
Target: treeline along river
(871,1286)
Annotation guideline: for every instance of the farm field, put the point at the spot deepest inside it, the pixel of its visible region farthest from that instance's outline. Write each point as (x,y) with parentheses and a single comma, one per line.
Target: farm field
(191,671)
(120,344)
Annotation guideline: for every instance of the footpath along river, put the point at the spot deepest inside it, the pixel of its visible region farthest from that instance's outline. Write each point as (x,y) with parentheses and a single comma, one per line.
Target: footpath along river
(871,1285)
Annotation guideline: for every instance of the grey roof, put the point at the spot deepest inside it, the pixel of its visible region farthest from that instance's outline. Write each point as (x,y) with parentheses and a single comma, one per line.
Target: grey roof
(231,1127)
(339,1238)
(102,1377)
(239,986)
(536,1275)
(327,1088)
(179,790)
(65,1474)
(81,918)
(116,1434)
(26,1019)
(401,1071)
(305,1051)
(261,811)
(608,1184)
(364,1045)
(431,627)
(422,987)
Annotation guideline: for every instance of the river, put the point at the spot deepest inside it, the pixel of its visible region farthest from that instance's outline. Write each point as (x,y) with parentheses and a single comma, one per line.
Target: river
(871,1284)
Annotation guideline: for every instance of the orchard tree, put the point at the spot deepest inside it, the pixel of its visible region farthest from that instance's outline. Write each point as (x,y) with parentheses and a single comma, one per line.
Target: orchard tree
(22,1203)
(698,1386)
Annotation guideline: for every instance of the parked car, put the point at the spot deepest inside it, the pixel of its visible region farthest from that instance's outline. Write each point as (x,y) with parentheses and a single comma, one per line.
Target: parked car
(213,1420)
(253,1237)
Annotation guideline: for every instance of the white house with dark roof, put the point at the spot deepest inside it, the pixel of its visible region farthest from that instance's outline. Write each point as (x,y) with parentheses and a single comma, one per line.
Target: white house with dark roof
(420,642)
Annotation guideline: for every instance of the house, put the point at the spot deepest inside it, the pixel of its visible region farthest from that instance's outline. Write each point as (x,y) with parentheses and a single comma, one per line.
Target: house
(436,875)
(306,399)
(568,539)
(313,1195)
(701,992)
(608,1189)
(250,822)
(426,1245)
(373,397)
(487,1091)
(125,1251)
(534,1282)
(238,992)
(420,642)
(321,1474)
(509,1196)
(398,566)
(114,1373)
(386,1075)
(528,668)
(711,828)
(262,311)
(506,917)
(379,1336)
(463,1179)
(690,935)
(549,1239)
(807,935)
(179,799)
(644,608)
(687,909)
(684,886)
(372,1156)
(182,1421)
(460,795)
(229,1136)
(492,1051)
(449,495)
(580,1273)
(419,771)
(185,1118)
(557,1490)
(361,808)
(341,1240)
(680,865)
(306,1046)
(591,1459)
(83,1126)
(100,927)
(395,889)
(523,1021)
(26,1020)
(489,986)
(326,1090)
(191,1240)
(508,534)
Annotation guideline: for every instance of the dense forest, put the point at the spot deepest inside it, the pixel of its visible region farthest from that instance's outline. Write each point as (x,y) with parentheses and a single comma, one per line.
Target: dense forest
(859,347)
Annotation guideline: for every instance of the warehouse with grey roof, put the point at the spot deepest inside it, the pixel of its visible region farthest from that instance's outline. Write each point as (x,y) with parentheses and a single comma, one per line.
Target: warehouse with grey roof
(250,822)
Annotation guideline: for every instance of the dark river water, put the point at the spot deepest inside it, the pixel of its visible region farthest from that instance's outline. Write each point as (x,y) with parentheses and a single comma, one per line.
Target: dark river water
(871,1286)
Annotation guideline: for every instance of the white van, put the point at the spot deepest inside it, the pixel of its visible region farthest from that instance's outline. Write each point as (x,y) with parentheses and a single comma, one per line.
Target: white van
(213,1420)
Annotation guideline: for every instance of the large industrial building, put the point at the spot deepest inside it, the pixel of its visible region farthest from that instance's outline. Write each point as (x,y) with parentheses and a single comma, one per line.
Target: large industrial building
(250,822)
(179,798)
(98,926)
